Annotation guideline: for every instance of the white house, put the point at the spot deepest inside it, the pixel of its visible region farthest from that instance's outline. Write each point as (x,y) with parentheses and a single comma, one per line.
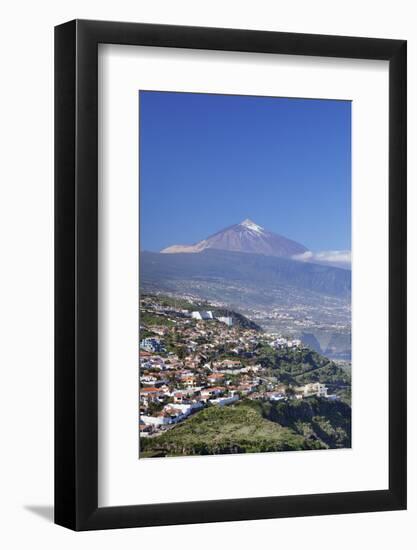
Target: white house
(314,388)
(202,315)
(215,377)
(296,343)
(280,343)
(226,320)
(221,401)
(148,379)
(276,396)
(151,345)
(207,393)
(159,420)
(185,408)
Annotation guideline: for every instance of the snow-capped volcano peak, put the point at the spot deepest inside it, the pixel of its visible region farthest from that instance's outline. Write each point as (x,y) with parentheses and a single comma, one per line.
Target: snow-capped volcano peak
(246,236)
(249,224)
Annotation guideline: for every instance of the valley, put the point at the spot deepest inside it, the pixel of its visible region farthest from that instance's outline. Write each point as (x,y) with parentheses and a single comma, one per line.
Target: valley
(306,300)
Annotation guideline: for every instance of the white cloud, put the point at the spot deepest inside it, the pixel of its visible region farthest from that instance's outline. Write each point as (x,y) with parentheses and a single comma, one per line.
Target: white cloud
(338,258)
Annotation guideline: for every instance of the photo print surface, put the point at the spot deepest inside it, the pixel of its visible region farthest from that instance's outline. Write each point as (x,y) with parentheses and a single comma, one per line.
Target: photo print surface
(245,274)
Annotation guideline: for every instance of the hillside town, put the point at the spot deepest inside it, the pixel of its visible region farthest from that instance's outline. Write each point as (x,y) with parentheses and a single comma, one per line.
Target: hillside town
(191,359)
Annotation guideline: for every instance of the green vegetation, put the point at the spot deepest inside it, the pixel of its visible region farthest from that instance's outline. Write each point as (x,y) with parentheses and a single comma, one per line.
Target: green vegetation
(302,366)
(253,426)
(150,319)
(327,421)
(173,302)
(144,333)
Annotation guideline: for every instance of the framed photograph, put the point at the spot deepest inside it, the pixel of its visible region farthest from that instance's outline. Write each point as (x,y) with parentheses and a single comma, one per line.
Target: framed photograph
(230,247)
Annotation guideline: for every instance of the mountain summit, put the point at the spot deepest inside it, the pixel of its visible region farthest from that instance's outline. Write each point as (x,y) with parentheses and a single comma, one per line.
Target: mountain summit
(246,236)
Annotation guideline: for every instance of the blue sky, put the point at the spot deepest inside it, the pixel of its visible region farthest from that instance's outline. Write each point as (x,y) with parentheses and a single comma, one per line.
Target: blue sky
(209,161)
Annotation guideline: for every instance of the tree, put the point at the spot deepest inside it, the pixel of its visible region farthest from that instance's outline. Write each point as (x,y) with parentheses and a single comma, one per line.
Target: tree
(181,352)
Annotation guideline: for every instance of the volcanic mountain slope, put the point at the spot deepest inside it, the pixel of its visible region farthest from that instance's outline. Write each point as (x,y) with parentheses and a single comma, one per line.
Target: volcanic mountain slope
(246,236)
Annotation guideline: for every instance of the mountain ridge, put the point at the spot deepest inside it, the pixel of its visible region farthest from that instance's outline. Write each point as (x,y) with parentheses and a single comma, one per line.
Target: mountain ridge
(244,268)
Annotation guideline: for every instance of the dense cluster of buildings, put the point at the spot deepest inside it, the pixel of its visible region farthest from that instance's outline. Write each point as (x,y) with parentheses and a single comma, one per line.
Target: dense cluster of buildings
(195,359)
(280,343)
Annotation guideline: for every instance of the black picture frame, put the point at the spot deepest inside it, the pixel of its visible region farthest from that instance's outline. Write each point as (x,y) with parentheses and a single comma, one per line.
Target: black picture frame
(76,272)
